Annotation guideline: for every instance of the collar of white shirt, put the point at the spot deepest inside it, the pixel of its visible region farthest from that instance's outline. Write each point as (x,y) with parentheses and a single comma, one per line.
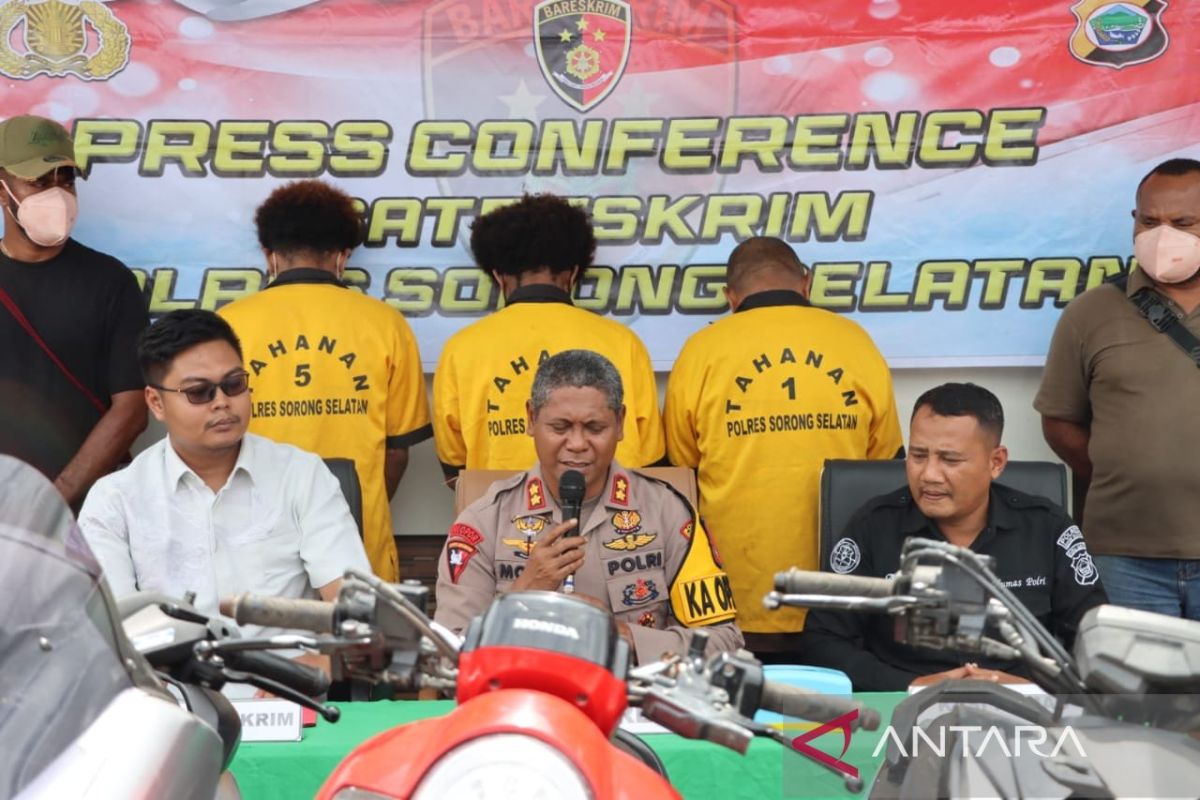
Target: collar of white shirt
(248,462)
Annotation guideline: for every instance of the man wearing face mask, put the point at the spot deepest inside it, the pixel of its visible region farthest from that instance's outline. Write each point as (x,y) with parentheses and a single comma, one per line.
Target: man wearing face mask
(1118,398)
(69,321)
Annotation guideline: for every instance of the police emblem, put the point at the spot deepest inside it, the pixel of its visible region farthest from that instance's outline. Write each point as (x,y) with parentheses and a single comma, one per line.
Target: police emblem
(1118,34)
(627,524)
(686,531)
(530,525)
(639,592)
(521,547)
(627,521)
(458,553)
(62,37)
(460,547)
(631,541)
(1085,569)
(582,47)
(845,557)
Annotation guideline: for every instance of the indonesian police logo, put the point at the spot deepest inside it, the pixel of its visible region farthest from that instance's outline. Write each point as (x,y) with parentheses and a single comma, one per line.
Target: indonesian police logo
(1120,34)
(582,47)
(845,557)
(61,37)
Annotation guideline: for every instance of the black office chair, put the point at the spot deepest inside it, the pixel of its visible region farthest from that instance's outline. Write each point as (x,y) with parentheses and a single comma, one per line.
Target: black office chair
(846,485)
(343,470)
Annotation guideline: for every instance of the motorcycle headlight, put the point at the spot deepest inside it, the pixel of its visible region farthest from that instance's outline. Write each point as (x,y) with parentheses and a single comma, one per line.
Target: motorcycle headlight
(504,765)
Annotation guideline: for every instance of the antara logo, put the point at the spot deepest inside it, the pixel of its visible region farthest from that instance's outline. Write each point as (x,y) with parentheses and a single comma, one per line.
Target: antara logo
(986,739)
(1022,739)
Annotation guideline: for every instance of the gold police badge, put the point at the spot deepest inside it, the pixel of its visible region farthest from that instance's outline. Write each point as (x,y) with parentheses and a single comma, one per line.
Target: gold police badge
(61,37)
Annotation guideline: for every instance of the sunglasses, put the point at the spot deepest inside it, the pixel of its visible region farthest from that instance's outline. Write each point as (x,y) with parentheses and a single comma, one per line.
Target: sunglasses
(203,392)
(59,176)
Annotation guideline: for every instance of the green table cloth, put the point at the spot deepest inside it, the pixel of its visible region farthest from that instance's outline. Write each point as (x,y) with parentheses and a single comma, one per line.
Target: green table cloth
(289,770)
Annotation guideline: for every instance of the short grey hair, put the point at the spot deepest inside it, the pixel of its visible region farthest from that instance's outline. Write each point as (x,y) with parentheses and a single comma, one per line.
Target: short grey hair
(579,369)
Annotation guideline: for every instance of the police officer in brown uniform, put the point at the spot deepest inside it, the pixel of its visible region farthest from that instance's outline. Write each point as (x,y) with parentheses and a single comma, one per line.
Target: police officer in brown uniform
(640,552)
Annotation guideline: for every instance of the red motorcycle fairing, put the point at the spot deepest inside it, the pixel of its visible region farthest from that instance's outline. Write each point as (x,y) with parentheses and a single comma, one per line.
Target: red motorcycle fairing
(393,763)
(598,693)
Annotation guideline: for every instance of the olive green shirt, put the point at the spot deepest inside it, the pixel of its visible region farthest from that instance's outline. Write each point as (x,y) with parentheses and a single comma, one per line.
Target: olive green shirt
(1109,369)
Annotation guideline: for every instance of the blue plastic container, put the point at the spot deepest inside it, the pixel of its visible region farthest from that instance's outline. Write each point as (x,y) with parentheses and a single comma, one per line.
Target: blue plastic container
(815,679)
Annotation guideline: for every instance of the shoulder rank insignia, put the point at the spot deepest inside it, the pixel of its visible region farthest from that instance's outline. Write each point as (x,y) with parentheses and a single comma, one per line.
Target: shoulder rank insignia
(620,490)
(535,496)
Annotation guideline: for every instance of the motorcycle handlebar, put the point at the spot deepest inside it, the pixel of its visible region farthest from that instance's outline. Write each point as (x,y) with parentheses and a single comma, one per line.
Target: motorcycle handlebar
(280,612)
(793,701)
(306,680)
(796,581)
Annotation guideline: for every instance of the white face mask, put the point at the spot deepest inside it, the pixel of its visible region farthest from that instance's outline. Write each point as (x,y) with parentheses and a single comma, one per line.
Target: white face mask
(48,216)
(1166,254)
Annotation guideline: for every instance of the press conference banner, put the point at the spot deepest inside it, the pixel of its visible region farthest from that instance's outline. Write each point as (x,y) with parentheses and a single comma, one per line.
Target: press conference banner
(954,172)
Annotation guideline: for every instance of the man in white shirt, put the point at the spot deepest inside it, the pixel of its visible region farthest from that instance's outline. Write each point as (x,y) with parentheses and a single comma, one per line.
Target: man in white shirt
(212,509)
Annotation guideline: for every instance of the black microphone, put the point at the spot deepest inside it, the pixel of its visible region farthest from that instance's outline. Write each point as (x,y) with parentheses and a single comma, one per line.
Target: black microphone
(571,487)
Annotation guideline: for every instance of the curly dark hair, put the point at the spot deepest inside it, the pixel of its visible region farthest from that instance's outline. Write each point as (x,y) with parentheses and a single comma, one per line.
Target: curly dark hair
(175,332)
(308,216)
(539,231)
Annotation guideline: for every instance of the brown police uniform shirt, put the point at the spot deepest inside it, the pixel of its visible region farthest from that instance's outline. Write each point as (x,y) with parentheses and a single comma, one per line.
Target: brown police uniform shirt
(1108,368)
(643,556)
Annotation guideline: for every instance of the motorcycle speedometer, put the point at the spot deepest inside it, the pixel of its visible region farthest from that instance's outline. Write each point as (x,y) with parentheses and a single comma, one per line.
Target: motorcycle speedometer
(503,766)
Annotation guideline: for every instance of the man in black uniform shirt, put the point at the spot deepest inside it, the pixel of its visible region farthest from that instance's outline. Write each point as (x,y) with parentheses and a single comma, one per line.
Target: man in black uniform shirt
(72,414)
(954,455)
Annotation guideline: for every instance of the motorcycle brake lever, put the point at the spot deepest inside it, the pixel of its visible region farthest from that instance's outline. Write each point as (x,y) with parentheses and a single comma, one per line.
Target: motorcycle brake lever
(330,713)
(854,784)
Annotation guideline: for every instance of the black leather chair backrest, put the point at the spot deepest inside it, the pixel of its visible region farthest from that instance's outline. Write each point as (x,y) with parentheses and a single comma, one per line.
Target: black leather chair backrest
(343,470)
(846,485)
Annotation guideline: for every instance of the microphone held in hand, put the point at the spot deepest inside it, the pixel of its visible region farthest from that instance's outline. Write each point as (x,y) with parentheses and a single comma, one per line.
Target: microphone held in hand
(570,497)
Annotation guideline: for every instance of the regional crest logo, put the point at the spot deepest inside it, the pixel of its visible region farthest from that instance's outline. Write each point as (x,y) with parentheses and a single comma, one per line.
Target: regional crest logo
(1118,34)
(582,47)
(61,37)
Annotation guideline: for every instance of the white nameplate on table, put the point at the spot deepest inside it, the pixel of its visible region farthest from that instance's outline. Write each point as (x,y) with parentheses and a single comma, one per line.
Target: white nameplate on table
(269,720)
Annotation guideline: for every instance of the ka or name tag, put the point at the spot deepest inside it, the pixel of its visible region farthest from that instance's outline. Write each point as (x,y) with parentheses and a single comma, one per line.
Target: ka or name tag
(269,720)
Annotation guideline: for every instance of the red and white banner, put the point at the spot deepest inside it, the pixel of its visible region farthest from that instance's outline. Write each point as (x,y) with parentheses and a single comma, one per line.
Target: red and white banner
(954,172)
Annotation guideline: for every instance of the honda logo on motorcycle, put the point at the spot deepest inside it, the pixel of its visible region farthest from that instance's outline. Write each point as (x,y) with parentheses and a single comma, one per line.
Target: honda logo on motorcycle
(582,47)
